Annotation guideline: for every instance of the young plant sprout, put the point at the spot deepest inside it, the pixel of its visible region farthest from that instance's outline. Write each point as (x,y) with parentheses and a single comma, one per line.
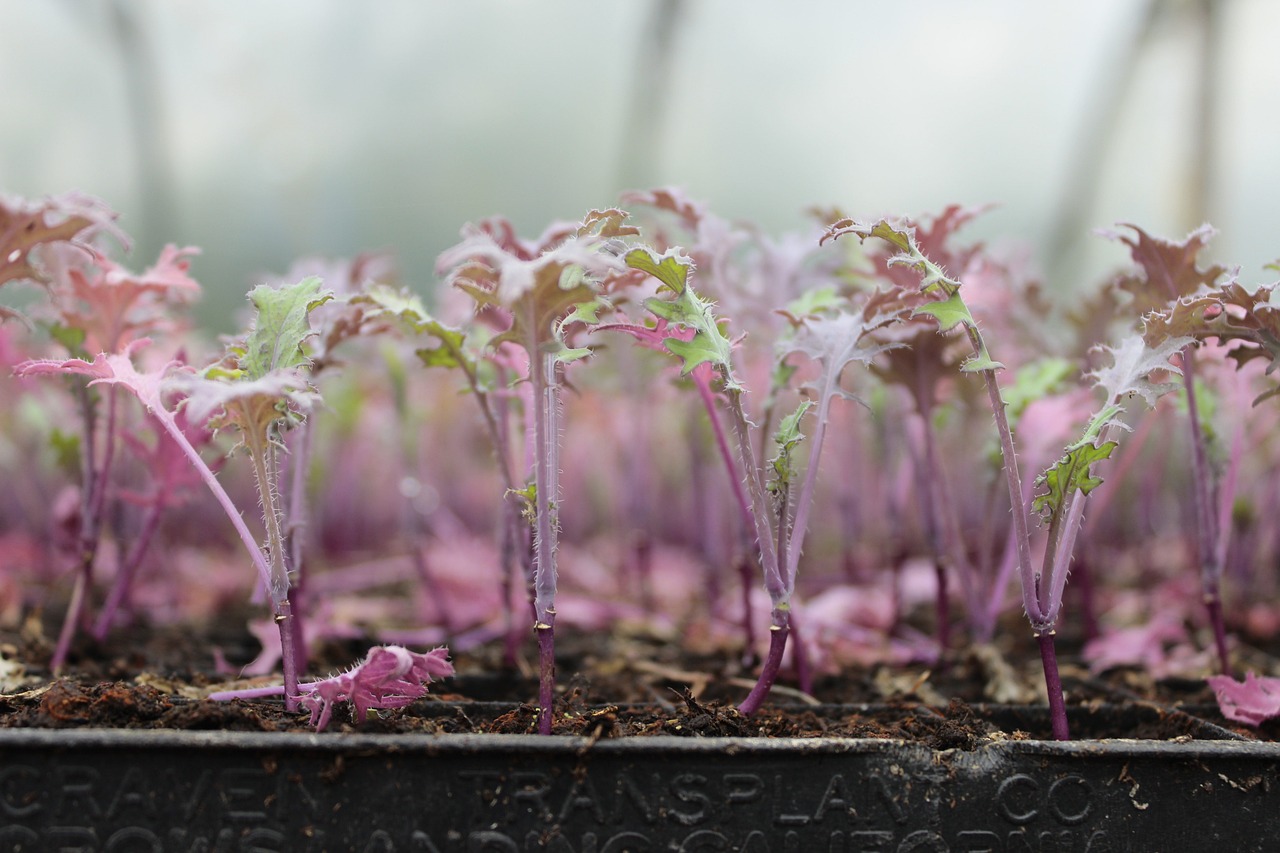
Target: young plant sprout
(1068,482)
(1172,292)
(834,340)
(541,298)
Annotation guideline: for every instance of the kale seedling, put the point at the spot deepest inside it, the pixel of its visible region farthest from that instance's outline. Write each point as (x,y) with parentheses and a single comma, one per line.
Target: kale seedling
(1174,291)
(541,297)
(256,387)
(1068,482)
(834,340)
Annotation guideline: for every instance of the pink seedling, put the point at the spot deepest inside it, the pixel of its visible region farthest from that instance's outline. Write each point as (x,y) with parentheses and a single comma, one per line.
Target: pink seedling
(388,677)
(540,298)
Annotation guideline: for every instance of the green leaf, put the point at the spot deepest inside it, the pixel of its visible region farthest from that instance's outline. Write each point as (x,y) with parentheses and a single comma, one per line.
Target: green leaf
(281,325)
(440,356)
(700,350)
(564,355)
(1070,474)
(948,313)
(786,438)
(710,345)
(672,270)
(587,313)
(980,361)
(397,302)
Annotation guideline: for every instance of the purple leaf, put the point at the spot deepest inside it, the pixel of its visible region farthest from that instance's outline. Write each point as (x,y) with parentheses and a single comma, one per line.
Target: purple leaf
(1252,701)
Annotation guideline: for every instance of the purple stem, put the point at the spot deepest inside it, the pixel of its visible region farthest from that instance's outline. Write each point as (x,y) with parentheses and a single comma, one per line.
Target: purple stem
(1053,684)
(288,653)
(774,580)
(1226,501)
(92,506)
(74,608)
(546,676)
(299,519)
(641,563)
(123,584)
(769,672)
(1206,535)
(1013,479)
(1214,608)
(708,398)
(928,475)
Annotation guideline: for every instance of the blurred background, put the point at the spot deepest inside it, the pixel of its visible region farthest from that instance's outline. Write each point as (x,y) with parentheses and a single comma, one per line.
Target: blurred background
(266,131)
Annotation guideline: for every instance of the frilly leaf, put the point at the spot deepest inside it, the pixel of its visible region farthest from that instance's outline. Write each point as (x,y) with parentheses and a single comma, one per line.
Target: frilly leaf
(671,268)
(1132,362)
(281,325)
(25,225)
(709,344)
(1169,269)
(1071,473)
(537,294)
(786,439)
(902,237)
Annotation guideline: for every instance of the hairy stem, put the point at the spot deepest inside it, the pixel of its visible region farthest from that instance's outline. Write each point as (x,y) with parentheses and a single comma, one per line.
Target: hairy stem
(928,471)
(547,497)
(264,471)
(263,476)
(289,654)
(774,582)
(804,503)
(1013,479)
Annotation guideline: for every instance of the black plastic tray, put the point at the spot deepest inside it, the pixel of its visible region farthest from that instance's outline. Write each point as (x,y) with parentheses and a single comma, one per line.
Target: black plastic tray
(223,791)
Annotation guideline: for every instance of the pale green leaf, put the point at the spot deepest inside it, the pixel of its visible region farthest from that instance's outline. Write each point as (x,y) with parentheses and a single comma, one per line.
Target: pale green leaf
(281,325)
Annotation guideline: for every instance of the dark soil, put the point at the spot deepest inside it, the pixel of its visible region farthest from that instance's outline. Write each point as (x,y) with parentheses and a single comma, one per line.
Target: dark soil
(612,686)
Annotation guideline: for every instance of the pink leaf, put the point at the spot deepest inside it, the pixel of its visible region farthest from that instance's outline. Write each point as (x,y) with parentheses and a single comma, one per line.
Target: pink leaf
(388,677)
(1253,701)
